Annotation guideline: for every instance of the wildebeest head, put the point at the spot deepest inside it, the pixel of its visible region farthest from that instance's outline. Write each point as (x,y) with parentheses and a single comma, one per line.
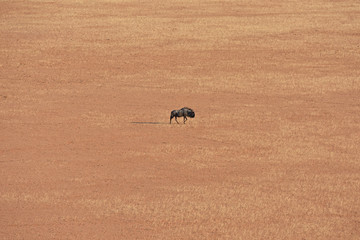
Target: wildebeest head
(191,114)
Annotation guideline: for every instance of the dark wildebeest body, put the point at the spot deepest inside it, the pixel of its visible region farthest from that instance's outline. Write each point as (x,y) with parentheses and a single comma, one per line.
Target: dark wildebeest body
(184,112)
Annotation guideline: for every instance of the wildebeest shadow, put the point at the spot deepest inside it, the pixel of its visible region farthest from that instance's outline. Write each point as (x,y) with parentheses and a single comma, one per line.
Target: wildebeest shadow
(149,123)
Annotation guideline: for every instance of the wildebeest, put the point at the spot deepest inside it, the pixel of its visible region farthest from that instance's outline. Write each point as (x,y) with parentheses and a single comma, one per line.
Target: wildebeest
(184,112)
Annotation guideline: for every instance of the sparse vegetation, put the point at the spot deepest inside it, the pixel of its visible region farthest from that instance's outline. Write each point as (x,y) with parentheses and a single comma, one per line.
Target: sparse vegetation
(272,153)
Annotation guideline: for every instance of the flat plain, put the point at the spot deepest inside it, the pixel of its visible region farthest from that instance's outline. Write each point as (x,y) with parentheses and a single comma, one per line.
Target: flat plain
(87,151)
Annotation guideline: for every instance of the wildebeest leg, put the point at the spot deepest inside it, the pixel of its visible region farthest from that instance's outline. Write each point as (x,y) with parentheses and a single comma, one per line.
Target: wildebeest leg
(171,117)
(176,119)
(185,119)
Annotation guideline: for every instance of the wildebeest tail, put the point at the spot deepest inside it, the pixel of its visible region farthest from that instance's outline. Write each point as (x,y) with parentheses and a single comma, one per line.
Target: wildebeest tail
(172,115)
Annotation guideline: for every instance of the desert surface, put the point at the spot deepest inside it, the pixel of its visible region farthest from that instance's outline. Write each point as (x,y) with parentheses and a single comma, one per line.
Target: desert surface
(86,91)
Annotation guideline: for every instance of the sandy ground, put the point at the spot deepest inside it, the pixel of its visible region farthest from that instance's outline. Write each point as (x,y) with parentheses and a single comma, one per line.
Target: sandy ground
(87,151)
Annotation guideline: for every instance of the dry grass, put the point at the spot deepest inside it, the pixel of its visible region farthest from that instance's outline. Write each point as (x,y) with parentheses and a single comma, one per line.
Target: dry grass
(86,89)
